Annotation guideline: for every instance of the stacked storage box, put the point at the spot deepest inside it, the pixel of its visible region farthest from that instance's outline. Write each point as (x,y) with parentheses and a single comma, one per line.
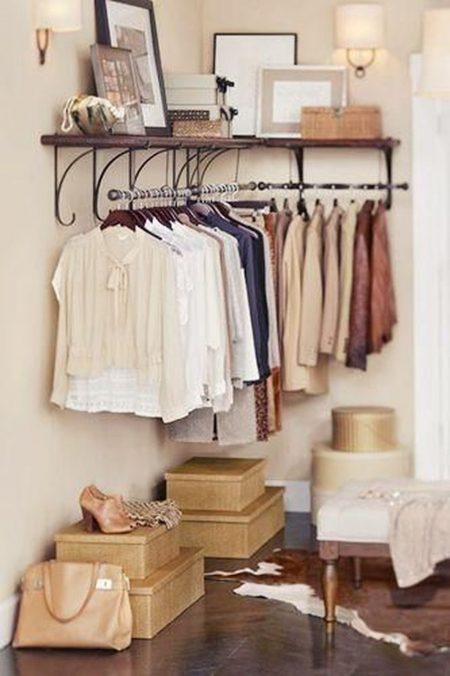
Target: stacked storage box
(164,579)
(364,446)
(197,105)
(227,510)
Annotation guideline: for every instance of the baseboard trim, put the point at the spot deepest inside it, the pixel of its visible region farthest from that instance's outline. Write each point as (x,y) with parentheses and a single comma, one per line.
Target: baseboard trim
(297,495)
(8,610)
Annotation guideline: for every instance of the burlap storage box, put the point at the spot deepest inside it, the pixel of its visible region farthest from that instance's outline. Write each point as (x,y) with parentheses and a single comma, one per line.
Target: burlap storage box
(353,122)
(139,552)
(235,535)
(362,429)
(228,484)
(166,593)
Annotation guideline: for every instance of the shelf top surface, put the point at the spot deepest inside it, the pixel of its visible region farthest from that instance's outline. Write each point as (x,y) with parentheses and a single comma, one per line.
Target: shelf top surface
(169,142)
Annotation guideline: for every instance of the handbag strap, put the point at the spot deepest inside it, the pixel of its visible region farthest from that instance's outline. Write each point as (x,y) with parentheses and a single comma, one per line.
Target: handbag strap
(47,588)
(67,123)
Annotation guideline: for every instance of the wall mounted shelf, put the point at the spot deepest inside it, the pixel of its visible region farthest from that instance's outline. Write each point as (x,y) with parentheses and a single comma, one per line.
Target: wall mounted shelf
(197,156)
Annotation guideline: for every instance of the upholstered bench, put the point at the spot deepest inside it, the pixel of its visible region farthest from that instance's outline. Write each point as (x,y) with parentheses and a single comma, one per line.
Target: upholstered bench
(350,526)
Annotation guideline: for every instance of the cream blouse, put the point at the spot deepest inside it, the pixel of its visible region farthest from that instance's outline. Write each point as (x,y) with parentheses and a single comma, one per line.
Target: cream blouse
(118,309)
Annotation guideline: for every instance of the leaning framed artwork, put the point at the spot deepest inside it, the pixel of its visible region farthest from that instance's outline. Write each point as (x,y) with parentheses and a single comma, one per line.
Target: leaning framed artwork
(131,24)
(283,92)
(239,56)
(115,80)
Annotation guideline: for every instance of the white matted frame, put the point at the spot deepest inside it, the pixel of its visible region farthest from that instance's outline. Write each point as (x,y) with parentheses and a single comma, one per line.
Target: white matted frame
(283,92)
(239,56)
(431,227)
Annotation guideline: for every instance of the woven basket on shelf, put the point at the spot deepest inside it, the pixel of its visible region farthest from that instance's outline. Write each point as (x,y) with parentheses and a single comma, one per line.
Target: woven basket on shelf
(353,122)
(202,128)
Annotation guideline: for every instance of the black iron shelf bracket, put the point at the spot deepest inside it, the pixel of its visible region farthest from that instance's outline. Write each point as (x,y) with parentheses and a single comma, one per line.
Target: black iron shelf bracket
(388,153)
(59,182)
(190,164)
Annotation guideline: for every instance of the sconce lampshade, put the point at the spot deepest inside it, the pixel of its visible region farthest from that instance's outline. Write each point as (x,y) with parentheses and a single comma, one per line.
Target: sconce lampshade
(59,16)
(359,26)
(435,77)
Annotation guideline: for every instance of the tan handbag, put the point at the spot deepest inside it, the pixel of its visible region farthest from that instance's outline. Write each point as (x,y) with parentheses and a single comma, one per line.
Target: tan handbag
(74,605)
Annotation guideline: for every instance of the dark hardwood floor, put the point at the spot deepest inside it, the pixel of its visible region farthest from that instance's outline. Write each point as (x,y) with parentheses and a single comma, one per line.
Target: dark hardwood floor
(226,635)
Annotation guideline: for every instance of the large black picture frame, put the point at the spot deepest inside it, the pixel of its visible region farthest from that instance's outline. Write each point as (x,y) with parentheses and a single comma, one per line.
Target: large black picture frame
(153,101)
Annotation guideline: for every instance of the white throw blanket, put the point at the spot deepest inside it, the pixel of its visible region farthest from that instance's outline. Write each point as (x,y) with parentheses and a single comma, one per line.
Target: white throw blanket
(419,538)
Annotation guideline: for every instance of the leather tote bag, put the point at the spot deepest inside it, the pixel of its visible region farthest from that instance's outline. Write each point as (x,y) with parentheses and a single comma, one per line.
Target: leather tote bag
(74,605)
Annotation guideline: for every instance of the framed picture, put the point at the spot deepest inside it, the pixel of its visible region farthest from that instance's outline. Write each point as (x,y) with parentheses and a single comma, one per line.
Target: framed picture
(239,56)
(283,92)
(131,24)
(115,80)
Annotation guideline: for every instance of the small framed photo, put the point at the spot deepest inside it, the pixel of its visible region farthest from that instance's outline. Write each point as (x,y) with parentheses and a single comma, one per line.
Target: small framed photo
(131,24)
(283,92)
(115,80)
(239,56)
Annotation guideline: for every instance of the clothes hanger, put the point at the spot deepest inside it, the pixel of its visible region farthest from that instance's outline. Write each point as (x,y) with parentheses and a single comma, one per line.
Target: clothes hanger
(302,208)
(273,207)
(201,208)
(119,217)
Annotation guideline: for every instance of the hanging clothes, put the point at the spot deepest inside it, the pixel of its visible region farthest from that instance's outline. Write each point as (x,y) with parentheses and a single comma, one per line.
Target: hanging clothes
(274,380)
(295,376)
(256,286)
(252,257)
(331,282)
(118,310)
(179,314)
(383,313)
(360,302)
(347,246)
(237,427)
(311,311)
(283,220)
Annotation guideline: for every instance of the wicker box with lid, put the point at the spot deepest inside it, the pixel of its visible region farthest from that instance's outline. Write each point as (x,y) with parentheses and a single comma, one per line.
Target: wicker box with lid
(362,429)
(216,484)
(139,553)
(166,593)
(235,534)
(352,122)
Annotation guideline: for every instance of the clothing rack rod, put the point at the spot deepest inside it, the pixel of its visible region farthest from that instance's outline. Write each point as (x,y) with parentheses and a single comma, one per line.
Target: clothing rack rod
(133,194)
(262,185)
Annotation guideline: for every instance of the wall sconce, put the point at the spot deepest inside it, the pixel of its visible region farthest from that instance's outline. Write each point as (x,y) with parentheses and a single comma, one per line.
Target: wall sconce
(360,31)
(59,16)
(435,76)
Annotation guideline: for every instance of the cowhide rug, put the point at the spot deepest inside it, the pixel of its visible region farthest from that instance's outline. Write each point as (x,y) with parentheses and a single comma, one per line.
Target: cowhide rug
(416,619)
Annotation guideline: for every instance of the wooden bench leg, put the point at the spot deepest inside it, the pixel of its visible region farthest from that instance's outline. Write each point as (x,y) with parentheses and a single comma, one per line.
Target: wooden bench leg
(357,572)
(330,588)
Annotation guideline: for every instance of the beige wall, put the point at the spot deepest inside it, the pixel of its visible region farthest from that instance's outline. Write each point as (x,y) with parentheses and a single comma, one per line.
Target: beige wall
(48,455)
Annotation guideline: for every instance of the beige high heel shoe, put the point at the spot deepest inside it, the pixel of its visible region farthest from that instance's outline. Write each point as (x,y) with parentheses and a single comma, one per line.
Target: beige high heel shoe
(104,511)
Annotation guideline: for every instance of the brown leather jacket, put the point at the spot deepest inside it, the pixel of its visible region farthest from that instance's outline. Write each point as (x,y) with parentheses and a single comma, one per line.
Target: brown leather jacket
(383,313)
(358,348)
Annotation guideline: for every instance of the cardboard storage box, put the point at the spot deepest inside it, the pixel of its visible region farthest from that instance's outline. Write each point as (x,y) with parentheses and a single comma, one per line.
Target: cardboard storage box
(139,552)
(166,593)
(228,484)
(235,535)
